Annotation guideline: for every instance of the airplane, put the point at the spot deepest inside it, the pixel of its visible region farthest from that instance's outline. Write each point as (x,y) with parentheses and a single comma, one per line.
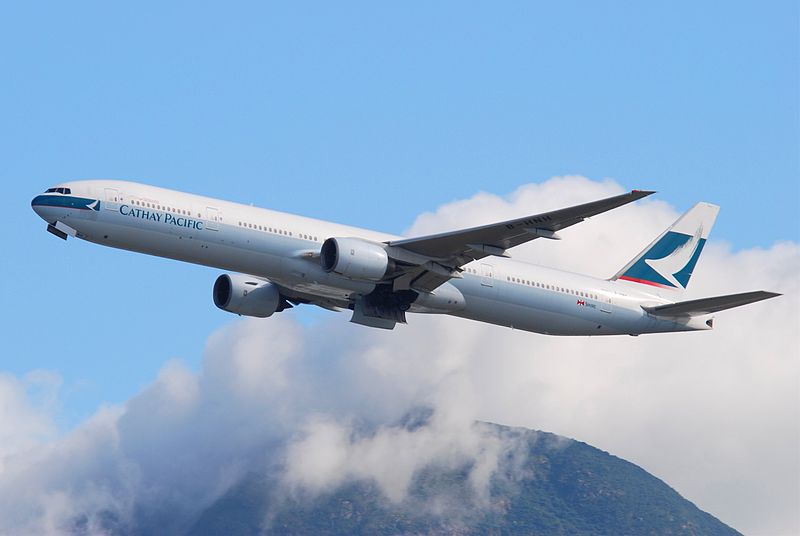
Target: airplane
(279,260)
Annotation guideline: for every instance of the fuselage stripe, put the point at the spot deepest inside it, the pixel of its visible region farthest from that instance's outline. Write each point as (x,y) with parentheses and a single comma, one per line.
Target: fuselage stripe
(644,282)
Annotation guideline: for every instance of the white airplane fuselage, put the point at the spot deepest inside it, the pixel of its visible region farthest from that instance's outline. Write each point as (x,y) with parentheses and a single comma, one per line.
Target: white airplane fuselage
(284,249)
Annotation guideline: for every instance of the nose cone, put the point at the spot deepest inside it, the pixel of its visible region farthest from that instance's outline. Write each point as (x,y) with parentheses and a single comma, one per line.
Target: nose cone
(39,205)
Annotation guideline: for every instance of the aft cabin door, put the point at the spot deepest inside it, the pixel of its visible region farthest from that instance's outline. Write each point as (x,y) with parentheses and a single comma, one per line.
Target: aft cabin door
(212,218)
(605,303)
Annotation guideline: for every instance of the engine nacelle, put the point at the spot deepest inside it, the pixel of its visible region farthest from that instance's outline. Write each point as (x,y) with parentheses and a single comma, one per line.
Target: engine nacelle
(246,295)
(355,258)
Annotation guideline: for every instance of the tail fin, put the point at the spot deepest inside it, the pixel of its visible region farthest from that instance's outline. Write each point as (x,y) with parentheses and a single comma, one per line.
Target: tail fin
(668,262)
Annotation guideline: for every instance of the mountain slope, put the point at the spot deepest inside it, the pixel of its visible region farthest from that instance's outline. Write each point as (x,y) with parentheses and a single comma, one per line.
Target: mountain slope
(549,486)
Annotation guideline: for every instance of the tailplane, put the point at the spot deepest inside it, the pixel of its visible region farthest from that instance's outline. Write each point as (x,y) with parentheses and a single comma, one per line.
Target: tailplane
(666,265)
(705,306)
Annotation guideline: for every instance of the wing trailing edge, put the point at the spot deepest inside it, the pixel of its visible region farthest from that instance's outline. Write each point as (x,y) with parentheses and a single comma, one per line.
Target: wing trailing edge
(434,259)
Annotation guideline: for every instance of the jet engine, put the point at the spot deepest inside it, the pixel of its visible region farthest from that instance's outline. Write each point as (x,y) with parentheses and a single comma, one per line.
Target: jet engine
(356,258)
(246,295)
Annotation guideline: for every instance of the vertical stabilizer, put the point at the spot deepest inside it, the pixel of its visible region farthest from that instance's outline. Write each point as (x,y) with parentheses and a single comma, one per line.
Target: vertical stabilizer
(666,265)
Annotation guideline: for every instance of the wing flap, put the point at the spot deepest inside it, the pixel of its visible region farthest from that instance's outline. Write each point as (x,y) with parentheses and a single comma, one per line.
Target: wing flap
(705,306)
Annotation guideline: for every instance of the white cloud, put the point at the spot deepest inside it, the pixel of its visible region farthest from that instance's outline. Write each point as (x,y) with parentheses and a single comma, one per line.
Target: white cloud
(714,414)
(26,408)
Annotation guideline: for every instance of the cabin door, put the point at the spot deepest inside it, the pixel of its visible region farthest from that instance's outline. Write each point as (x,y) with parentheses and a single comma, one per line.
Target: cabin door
(487,275)
(605,303)
(112,199)
(212,218)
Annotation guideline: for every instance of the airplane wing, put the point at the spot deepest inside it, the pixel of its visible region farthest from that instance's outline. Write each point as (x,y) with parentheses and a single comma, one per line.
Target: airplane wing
(444,253)
(705,306)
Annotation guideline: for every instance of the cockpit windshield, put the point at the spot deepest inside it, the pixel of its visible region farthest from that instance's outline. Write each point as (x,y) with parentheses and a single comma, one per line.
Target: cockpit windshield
(65,191)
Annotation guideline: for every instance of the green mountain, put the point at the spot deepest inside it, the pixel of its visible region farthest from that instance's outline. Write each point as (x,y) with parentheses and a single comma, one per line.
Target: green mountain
(550,485)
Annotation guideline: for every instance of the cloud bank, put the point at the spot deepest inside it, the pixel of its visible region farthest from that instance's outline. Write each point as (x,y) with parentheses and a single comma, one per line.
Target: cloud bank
(714,414)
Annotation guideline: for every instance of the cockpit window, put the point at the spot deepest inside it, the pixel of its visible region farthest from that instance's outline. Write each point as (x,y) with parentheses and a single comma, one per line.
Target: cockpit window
(65,191)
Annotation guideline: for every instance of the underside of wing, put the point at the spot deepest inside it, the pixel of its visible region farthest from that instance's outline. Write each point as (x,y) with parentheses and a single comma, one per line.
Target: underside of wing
(429,261)
(705,306)
(495,238)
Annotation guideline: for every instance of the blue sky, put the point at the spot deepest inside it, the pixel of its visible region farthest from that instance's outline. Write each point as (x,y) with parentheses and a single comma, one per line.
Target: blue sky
(365,114)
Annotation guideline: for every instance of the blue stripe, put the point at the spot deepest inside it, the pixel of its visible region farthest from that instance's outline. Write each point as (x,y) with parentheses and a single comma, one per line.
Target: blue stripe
(65,201)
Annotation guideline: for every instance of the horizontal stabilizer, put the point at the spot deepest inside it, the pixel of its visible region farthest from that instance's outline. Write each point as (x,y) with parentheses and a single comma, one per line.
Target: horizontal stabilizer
(705,306)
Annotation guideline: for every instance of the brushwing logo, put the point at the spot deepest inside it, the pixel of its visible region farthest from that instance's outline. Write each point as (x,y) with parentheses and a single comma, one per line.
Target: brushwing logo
(676,261)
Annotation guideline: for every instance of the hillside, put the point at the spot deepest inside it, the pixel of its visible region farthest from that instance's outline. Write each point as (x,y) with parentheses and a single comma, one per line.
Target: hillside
(556,486)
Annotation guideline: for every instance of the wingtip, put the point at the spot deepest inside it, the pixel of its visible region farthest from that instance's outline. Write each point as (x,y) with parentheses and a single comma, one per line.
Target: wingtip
(642,193)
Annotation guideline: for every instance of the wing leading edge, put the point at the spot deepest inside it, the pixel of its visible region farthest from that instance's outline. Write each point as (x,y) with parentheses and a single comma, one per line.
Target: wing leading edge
(445,253)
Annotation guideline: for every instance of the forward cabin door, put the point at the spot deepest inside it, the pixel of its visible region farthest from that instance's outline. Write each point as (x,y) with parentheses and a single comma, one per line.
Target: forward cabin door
(112,199)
